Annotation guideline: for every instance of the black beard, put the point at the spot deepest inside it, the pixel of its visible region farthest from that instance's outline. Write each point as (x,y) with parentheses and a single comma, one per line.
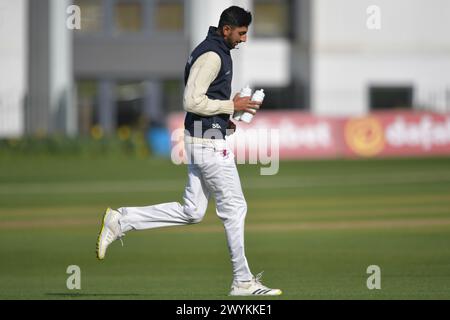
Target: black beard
(229,44)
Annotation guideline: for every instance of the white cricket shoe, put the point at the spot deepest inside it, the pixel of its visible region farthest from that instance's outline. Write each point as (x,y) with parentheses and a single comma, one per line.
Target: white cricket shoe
(109,232)
(253,287)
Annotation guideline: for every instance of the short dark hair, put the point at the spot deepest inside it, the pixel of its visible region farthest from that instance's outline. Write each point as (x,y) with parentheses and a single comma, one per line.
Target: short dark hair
(235,17)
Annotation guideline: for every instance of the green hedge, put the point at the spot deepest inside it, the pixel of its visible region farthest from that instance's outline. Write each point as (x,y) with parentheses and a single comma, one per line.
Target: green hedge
(134,145)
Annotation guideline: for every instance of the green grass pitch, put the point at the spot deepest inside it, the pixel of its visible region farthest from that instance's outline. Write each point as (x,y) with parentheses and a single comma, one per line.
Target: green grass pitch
(314,228)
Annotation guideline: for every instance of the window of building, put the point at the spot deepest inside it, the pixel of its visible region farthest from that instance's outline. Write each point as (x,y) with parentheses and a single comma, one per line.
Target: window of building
(91,15)
(130,105)
(272,18)
(173,95)
(128,16)
(169,15)
(277,97)
(390,97)
(87,92)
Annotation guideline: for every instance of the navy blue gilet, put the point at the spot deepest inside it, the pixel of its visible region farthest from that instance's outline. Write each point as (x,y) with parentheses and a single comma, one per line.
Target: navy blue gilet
(212,127)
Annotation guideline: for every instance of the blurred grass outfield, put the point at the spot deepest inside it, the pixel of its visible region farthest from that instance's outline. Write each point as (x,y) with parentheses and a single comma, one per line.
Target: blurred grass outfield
(314,229)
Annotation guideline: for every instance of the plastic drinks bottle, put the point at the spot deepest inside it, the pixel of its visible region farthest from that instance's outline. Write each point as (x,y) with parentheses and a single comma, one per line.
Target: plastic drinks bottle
(245,92)
(258,96)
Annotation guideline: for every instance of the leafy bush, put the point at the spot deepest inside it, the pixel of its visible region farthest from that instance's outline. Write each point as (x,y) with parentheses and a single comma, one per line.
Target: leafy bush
(131,144)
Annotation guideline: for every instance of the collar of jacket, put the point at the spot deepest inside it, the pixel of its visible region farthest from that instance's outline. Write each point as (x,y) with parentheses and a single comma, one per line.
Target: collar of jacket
(214,36)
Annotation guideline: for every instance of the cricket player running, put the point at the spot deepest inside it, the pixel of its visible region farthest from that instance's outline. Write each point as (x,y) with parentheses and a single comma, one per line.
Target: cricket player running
(211,166)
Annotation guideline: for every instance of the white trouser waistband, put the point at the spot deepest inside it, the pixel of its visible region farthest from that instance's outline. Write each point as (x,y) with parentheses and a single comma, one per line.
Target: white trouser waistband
(216,143)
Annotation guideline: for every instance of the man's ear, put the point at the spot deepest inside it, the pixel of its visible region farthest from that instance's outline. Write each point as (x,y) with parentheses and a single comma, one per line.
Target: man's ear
(226,30)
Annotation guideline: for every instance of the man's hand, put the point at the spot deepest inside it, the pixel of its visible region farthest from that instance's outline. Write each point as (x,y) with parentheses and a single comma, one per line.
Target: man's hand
(245,104)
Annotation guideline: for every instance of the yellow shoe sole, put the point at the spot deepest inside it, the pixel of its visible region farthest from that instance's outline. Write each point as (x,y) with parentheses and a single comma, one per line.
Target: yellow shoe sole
(99,235)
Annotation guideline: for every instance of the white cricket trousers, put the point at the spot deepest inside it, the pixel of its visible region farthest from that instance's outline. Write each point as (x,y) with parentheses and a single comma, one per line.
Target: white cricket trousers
(211,171)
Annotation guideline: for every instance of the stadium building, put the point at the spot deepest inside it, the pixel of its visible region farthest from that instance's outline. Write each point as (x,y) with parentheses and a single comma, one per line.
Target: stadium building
(124,67)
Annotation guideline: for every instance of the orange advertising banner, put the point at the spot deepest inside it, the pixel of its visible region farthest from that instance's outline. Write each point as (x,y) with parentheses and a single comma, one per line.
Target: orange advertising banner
(302,136)
(397,134)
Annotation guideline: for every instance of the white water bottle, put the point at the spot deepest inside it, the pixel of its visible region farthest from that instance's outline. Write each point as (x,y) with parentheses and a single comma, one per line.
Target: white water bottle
(245,92)
(258,96)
